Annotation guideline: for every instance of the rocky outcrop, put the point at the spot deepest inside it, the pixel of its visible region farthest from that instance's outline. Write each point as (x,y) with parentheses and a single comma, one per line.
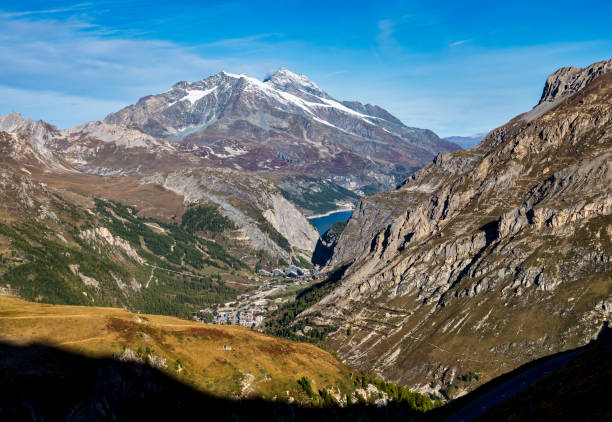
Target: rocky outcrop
(485,258)
(102,234)
(245,201)
(327,243)
(36,137)
(564,83)
(290,222)
(569,80)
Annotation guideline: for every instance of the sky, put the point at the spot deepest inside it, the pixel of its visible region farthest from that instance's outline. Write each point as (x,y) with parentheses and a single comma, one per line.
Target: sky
(457,68)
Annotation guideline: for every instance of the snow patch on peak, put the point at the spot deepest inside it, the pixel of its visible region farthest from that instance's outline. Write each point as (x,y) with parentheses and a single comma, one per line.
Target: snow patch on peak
(194,95)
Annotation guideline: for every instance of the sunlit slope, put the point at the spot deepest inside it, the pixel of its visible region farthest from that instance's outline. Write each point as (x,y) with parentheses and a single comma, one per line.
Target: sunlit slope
(228,361)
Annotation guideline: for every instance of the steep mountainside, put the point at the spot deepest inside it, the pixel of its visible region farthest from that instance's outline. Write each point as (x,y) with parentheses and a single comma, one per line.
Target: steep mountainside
(489,257)
(284,123)
(268,221)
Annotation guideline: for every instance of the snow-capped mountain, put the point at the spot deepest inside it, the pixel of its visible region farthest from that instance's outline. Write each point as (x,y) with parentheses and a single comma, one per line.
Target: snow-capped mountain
(285,122)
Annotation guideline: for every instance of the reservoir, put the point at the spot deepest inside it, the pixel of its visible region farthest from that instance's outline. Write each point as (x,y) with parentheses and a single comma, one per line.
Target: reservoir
(324,222)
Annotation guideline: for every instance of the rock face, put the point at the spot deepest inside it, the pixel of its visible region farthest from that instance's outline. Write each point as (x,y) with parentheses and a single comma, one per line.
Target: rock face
(284,123)
(489,257)
(327,243)
(247,201)
(36,138)
(569,80)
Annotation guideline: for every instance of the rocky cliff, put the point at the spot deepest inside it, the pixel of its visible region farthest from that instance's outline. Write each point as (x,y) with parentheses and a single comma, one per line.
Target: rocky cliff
(249,202)
(489,257)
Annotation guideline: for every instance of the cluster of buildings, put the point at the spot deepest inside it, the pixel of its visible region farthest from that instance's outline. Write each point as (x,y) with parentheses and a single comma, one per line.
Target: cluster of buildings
(249,308)
(292,271)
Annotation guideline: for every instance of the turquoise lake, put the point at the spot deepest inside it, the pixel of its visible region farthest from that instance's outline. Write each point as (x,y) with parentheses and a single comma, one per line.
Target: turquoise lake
(324,223)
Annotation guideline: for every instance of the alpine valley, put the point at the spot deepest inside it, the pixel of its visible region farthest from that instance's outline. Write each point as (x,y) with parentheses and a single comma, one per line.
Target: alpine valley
(460,271)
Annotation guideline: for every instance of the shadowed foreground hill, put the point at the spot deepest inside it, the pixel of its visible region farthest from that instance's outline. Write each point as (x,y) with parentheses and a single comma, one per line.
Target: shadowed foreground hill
(44,383)
(40,382)
(87,363)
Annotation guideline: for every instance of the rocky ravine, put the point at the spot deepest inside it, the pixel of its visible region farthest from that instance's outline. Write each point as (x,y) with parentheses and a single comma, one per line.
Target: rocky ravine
(489,257)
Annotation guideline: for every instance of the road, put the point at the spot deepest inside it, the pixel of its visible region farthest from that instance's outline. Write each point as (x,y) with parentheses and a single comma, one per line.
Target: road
(509,388)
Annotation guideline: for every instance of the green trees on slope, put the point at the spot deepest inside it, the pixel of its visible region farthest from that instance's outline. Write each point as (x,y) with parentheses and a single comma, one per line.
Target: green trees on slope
(206,218)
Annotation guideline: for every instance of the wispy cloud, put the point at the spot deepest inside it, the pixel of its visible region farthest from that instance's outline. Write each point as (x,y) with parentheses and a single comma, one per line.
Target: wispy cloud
(385,39)
(72,64)
(457,43)
(75,62)
(71,9)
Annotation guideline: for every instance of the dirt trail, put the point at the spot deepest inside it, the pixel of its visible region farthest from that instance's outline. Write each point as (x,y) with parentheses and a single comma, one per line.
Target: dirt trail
(84,340)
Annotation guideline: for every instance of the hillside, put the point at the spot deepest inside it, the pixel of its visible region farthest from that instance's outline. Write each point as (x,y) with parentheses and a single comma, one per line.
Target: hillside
(546,389)
(486,258)
(254,365)
(68,238)
(91,363)
(61,159)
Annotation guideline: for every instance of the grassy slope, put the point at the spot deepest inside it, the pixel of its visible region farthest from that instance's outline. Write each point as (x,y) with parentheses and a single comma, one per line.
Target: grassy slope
(256,366)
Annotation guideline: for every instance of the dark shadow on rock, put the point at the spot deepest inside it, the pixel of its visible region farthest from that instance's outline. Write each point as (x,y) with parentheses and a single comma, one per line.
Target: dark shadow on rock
(322,254)
(576,391)
(38,382)
(605,333)
(324,250)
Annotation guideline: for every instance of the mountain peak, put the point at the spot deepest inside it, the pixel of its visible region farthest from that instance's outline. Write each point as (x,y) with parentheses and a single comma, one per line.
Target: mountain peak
(569,80)
(10,121)
(289,81)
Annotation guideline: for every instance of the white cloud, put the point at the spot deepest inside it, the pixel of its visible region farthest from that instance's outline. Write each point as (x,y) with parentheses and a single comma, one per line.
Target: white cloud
(74,8)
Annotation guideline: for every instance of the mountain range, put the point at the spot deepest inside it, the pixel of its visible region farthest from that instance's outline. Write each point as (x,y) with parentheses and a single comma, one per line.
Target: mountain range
(285,123)
(258,150)
(457,265)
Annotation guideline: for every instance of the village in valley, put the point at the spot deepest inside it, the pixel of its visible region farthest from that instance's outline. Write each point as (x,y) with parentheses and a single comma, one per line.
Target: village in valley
(249,309)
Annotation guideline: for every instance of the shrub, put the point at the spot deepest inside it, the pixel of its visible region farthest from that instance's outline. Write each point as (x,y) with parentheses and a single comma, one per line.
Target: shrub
(306,386)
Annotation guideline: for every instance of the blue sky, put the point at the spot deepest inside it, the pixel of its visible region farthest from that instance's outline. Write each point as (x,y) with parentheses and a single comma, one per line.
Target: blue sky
(457,68)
